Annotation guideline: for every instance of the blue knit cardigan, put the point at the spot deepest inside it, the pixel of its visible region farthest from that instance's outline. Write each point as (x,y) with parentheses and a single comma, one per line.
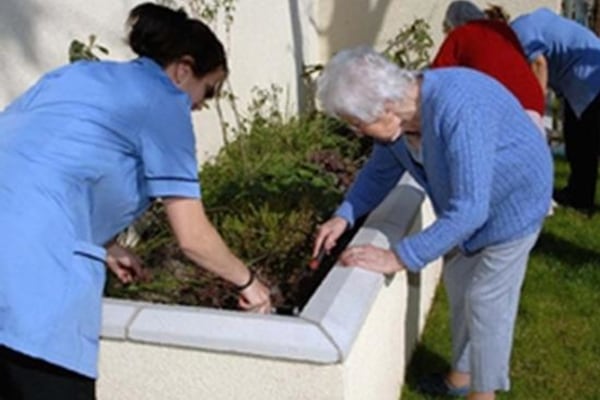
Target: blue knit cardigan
(486,168)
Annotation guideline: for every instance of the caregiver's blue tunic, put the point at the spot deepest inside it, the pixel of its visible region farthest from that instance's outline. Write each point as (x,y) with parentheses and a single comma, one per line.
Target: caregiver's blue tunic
(81,155)
(572,52)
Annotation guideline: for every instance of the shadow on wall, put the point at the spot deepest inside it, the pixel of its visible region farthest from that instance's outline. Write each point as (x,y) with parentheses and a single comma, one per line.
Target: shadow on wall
(354,23)
(405,223)
(297,36)
(16,32)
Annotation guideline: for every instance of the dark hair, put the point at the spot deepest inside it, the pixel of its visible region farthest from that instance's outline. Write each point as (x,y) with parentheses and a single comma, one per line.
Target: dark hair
(496,13)
(165,35)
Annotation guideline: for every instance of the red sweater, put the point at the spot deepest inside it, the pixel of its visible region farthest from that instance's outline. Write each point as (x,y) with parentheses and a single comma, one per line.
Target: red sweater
(493,48)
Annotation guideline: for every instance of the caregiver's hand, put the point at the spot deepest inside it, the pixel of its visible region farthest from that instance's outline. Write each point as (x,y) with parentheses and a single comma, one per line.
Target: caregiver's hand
(124,264)
(256,297)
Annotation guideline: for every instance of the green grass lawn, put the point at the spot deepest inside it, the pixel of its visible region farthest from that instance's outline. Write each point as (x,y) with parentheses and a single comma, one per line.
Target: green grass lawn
(556,353)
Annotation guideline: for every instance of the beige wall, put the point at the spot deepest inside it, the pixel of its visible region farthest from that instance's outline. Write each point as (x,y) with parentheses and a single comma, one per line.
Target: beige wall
(269,41)
(135,371)
(35,35)
(347,23)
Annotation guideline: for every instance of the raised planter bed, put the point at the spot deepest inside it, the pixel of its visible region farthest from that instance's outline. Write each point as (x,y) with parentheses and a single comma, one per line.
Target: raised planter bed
(351,341)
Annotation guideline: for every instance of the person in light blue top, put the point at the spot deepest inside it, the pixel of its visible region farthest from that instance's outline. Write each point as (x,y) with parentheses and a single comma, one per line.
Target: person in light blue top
(565,56)
(82,154)
(488,172)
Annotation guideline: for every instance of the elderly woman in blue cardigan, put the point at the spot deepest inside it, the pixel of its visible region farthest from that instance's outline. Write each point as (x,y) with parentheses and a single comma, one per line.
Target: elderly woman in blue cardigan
(488,173)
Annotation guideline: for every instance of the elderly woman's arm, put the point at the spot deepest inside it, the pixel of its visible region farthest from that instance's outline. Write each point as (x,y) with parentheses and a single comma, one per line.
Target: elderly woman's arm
(201,243)
(377,178)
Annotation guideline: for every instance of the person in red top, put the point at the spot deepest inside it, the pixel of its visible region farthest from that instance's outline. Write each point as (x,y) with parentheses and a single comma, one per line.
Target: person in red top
(490,46)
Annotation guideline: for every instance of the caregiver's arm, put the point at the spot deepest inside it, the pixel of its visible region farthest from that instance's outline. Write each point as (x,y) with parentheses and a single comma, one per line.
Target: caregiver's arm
(539,66)
(201,243)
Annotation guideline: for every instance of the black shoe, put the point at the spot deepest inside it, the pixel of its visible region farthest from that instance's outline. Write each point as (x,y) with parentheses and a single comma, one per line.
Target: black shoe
(563,198)
(436,385)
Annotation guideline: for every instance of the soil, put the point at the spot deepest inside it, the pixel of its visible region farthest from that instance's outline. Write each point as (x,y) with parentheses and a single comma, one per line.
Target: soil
(174,280)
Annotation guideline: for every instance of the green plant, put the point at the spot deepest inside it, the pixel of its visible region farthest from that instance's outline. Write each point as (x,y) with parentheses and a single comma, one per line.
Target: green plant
(409,49)
(79,50)
(210,11)
(265,191)
(266,208)
(411,45)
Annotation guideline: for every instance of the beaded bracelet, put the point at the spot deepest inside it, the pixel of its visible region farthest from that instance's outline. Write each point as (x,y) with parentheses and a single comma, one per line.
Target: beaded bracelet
(247,284)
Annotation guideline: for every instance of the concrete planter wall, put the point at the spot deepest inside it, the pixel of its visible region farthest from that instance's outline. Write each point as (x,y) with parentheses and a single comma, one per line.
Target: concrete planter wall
(351,341)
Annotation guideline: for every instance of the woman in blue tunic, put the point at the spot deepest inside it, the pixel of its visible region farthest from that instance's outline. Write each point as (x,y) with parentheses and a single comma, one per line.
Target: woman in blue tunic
(565,56)
(82,155)
(469,143)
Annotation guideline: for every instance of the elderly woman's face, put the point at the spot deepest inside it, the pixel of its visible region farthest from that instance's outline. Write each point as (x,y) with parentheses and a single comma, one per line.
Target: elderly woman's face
(396,119)
(386,128)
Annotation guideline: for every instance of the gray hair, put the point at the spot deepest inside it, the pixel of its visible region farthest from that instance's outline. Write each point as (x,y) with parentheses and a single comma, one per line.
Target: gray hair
(357,82)
(460,12)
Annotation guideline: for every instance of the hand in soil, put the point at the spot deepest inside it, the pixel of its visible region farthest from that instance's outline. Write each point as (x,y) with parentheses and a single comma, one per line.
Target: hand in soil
(256,298)
(328,234)
(126,266)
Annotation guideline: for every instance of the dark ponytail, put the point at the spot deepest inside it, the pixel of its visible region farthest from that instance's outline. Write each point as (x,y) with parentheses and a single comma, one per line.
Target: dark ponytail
(166,35)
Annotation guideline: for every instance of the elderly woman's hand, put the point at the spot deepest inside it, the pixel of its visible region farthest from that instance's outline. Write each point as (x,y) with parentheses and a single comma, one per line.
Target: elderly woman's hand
(372,258)
(328,234)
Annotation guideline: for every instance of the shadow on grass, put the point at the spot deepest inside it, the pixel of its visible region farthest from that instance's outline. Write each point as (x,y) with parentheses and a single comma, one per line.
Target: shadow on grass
(565,251)
(424,362)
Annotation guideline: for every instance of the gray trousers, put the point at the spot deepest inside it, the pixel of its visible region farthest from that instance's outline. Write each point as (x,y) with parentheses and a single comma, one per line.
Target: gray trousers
(483,292)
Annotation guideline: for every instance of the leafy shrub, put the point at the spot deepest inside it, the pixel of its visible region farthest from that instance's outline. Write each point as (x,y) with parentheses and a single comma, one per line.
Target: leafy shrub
(79,50)
(265,191)
(410,47)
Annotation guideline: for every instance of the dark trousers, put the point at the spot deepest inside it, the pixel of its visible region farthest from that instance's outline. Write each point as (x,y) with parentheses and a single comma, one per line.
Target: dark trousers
(26,378)
(582,144)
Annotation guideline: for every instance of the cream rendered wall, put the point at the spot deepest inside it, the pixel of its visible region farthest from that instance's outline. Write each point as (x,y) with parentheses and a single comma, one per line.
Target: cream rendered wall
(348,23)
(268,43)
(35,35)
(150,372)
